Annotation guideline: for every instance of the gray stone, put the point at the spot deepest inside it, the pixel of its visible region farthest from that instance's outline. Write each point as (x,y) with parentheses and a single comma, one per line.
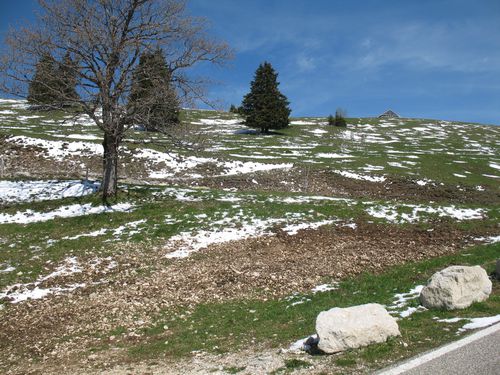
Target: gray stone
(340,329)
(456,287)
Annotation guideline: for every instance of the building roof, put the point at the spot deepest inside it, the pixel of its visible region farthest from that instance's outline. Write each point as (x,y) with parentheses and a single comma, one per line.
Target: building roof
(389,114)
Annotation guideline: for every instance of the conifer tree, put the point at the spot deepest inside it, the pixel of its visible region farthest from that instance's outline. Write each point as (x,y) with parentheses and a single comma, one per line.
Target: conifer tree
(153,101)
(331,120)
(44,86)
(265,107)
(67,75)
(340,118)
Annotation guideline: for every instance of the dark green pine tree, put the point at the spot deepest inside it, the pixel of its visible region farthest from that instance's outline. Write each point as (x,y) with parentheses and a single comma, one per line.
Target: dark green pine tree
(44,86)
(67,74)
(340,118)
(153,100)
(265,107)
(331,120)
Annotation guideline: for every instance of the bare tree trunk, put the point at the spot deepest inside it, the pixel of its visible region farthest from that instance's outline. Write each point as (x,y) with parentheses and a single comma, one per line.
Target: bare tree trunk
(110,167)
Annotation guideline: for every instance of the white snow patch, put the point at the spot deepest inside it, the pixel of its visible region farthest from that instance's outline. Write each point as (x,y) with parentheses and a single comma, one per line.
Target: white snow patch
(21,292)
(28,191)
(318,131)
(59,150)
(491,239)
(476,323)
(390,213)
(495,166)
(30,216)
(401,302)
(333,156)
(8,269)
(362,177)
(185,243)
(292,229)
(324,288)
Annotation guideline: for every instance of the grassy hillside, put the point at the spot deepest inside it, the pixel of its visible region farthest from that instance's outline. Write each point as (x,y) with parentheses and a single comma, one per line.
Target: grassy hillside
(198,237)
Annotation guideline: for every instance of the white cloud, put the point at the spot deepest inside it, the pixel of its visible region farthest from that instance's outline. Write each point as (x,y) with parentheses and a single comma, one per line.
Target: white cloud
(305,63)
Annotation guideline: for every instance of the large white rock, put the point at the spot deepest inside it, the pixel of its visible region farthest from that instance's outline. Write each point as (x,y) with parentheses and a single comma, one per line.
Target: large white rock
(456,287)
(340,329)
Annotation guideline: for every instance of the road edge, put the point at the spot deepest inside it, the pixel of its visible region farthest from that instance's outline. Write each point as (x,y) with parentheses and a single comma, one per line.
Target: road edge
(400,368)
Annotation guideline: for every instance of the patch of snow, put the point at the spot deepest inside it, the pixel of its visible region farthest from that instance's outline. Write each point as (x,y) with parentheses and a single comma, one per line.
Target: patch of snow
(185,243)
(8,269)
(302,122)
(391,214)
(30,216)
(250,156)
(324,288)
(401,302)
(362,177)
(333,156)
(476,323)
(318,131)
(28,191)
(82,136)
(422,182)
(292,229)
(235,167)
(491,239)
(21,292)
(495,166)
(59,150)
(451,320)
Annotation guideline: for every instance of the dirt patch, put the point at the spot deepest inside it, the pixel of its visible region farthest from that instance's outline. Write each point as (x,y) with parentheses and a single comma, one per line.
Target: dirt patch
(60,330)
(326,182)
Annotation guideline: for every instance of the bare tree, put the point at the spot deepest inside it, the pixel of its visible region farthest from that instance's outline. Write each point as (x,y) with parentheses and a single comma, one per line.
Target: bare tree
(104,39)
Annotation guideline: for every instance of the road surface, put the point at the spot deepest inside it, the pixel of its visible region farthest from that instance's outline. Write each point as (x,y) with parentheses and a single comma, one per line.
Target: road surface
(477,354)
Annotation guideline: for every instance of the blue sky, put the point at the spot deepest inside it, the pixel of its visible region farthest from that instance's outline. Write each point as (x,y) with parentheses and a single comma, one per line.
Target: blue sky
(432,59)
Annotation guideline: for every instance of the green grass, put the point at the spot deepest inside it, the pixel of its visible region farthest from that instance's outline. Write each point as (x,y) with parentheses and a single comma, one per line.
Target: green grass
(291,365)
(220,327)
(233,325)
(166,216)
(436,149)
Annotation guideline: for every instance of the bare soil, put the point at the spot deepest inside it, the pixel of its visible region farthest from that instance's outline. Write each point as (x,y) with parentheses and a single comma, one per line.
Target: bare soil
(44,336)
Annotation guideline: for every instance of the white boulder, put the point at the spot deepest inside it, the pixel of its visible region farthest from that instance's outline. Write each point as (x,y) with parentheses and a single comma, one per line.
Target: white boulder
(340,329)
(456,287)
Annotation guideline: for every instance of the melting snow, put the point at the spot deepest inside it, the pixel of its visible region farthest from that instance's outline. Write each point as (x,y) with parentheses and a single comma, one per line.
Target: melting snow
(30,216)
(21,292)
(357,176)
(474,323)
(59,150)
(324,288)
(186,243)
(401,301)
(27,191)
(391,214)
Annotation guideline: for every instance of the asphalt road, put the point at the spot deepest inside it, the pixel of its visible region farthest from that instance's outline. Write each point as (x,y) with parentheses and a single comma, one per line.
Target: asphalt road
(477,354)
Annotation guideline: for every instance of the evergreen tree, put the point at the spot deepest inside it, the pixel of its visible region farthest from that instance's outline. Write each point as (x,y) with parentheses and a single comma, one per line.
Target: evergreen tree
(339,118)
(331,120)
(44,86)
(265,107)
(67,75)
(153,100)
